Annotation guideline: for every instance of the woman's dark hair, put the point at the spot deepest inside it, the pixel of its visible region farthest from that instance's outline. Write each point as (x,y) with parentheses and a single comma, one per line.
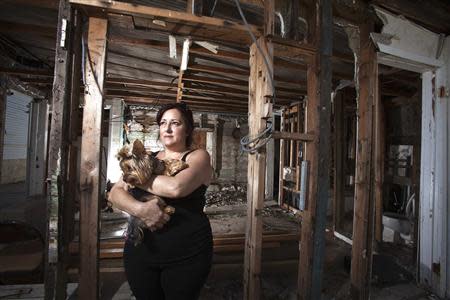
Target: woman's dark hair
(186,113)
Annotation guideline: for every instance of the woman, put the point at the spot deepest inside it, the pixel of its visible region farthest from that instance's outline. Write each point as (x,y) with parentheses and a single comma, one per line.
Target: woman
(174,259)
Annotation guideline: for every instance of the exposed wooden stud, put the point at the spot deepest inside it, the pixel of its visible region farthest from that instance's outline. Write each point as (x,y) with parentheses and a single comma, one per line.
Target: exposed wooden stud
(318,109)
(282,158)
(339,159)
(2,116)
(56,250)
(379,157)
(259,90)
(73,128)
(91,158)
(363,220)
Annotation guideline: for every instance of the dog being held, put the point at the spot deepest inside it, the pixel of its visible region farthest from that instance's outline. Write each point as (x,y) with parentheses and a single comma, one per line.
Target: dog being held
(137,167)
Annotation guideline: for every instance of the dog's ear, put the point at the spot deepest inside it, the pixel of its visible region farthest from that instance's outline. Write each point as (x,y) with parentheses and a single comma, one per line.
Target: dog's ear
(138,149)
(124,153)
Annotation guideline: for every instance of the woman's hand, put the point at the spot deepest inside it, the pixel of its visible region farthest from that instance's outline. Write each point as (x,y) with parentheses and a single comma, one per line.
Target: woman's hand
(152,214)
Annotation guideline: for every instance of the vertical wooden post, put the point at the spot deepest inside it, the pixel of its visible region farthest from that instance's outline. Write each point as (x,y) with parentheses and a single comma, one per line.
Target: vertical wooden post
(260,109)
(379,152)
(318,109)
(57,242)
(363,220)
(2,116)
(91,158)
(260,91)
(282,155)
(339,157)
(72,132)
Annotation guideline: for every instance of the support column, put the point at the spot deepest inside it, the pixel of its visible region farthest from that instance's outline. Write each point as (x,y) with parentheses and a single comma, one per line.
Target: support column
(317,152)
(379,152)
(91,143)
(57,242)
(115,139)
(260,109)
(363,220)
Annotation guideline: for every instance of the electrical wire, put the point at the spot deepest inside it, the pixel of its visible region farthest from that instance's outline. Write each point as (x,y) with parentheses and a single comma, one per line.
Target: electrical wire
(252,144)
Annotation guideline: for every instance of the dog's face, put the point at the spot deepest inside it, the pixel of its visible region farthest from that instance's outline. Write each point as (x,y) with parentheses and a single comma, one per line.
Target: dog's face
(137,166)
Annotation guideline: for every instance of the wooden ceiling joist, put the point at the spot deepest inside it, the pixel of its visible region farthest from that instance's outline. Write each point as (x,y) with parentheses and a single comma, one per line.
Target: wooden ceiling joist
(165,14)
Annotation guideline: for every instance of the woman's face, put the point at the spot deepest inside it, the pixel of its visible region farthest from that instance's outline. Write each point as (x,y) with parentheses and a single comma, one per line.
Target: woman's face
(172,129)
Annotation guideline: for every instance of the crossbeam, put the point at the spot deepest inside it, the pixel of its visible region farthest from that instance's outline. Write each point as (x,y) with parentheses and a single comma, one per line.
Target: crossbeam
(148,11)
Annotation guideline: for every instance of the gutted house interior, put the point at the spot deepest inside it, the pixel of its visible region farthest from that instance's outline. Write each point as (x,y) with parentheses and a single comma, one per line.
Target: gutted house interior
(327,125)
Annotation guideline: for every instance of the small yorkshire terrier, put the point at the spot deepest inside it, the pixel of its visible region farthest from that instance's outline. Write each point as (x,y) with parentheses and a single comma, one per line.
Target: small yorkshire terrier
(137,167)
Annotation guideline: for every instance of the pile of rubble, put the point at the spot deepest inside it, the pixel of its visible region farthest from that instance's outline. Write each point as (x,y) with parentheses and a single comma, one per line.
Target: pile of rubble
(230,194)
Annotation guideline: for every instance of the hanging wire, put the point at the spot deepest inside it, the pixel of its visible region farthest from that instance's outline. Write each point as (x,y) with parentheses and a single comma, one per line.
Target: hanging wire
(252,144)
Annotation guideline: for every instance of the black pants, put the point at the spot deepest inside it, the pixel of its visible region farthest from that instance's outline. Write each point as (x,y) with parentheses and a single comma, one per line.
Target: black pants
(176,281)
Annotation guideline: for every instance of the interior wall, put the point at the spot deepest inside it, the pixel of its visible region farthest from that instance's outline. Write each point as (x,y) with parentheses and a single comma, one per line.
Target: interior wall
(417,49)
(15,138)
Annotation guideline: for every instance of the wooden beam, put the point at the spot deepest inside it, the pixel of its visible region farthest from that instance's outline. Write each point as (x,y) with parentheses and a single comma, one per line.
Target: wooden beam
(318,112)
(339,160)
(56,250)
(379,157)
(363,220)
(282,158)
(34,72)
(91,158)
(296,136)
(183,67)
(73,130)
(138,82)
(148,11)
(261,91)
(2,116)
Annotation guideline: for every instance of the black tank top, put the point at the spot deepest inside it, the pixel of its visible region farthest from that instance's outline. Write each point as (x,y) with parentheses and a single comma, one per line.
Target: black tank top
(186,234)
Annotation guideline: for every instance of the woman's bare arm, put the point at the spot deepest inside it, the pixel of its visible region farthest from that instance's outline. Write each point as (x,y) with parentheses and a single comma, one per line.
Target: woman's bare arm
(149,212)
(199,172)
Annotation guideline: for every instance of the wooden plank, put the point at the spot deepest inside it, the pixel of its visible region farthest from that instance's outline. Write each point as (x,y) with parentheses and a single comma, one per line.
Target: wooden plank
(261,91)
(91,158)
(379,156)
(73,129)
(282,158)
(364,207)
(148,11)
(318,110)
(56,250)
(2,116)
(183,67)
(200,51)
(16,71)
(339,159)
(296,136)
